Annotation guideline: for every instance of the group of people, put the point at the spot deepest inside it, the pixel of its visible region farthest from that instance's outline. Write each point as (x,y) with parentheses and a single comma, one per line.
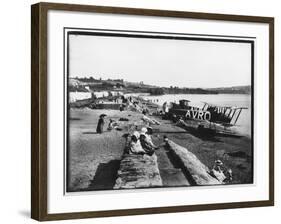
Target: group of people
(141,142)
(137,143)
(100,126)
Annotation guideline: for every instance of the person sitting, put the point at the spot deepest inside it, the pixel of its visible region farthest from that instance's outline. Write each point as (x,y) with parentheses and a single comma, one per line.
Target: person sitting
(146,142)
(135,145)
(149,136)
(221,173)
(112,124)
(145,111)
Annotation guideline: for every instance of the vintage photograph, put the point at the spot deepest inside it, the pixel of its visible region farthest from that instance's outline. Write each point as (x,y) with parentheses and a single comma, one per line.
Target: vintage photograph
(157,110)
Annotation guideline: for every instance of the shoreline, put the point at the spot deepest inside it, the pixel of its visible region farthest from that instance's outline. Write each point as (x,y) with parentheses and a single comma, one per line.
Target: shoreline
(198,94)
(96,158)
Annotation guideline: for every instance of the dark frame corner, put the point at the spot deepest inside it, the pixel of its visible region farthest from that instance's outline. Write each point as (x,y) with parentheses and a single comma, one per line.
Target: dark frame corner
(39,110)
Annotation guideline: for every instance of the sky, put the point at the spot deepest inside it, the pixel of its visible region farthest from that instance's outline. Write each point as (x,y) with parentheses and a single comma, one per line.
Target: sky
(161,62)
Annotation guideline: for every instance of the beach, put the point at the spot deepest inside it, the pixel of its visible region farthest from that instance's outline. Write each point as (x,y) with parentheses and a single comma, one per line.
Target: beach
(93,159)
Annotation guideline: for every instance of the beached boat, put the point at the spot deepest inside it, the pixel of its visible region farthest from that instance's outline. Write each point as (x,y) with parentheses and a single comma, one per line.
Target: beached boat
(209,120)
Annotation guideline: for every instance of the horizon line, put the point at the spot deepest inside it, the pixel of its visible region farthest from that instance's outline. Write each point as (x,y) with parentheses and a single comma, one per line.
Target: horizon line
(138,82)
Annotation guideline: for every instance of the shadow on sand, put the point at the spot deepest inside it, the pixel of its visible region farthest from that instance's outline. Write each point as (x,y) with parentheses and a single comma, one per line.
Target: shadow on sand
(93,133)
(170,132)
(90,133)
(194,132)
(177,163)
(204,136)
(105,176)
(74,119)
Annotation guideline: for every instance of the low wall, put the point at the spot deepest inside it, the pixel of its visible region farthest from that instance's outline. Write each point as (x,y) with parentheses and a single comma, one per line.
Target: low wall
(81,103)
(138,171)
(197,172)
(109,106)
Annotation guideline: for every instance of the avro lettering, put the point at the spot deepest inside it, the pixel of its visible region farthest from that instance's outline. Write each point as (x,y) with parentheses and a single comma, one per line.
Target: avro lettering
(198,115)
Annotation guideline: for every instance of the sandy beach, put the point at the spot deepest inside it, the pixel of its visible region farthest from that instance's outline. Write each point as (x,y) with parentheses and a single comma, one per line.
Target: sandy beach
(94,159)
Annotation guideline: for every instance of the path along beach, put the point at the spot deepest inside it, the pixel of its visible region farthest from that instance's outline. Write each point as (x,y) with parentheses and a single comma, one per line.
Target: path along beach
(94,159)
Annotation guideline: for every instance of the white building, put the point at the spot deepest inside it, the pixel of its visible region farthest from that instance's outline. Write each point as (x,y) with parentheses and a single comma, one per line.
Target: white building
(75,96)
(101,94)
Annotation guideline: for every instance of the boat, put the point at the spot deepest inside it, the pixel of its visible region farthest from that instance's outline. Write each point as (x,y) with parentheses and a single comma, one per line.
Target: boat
(208,120)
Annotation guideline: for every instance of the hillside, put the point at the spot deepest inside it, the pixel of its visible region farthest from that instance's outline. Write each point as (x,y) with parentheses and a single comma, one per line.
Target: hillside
(79,84)
(233,90)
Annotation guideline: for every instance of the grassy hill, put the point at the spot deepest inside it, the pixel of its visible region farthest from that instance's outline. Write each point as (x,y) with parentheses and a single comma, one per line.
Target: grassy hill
(78,84)
(233,90)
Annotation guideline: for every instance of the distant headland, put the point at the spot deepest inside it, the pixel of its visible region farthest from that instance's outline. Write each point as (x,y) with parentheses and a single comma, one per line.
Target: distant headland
(86,84)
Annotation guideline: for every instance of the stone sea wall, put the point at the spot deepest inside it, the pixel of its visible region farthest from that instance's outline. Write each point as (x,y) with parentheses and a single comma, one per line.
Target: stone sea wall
(138,171)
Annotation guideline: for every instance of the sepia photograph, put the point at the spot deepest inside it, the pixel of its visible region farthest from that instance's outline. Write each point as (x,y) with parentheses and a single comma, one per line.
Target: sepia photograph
(157,110)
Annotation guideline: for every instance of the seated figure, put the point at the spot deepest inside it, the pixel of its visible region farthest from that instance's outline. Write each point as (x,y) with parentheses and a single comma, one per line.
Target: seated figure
(135,145)
(221,173)
(146,142)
